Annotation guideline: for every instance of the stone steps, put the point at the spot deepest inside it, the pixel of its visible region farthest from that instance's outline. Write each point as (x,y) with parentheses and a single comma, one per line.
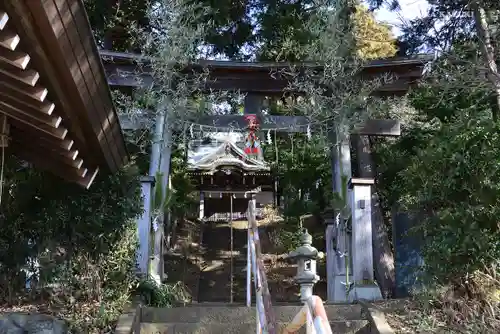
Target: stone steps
(350,327)
(224,318)
(225,313)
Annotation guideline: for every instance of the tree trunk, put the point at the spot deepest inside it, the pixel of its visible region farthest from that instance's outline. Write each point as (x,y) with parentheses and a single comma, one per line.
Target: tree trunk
(488,53)
(383,257)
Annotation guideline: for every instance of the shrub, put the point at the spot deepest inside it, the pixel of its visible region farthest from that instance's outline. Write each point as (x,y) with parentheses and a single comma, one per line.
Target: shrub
(455,181)
(78,246)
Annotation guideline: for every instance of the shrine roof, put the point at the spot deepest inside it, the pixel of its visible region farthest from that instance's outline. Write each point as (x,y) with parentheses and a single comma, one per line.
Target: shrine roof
(54,95)
(227,154)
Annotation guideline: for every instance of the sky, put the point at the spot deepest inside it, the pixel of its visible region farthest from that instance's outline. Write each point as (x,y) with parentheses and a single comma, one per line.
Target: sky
(410,9)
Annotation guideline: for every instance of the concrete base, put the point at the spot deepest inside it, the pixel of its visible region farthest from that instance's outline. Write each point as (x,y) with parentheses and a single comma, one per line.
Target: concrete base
(369,292)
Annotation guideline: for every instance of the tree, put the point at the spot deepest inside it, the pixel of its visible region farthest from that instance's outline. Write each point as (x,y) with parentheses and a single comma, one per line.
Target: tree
(436,167)
(374,40)
(115,22)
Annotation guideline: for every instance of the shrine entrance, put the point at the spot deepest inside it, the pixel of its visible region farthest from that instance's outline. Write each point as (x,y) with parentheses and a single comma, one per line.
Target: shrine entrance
(228,170)
(228,166)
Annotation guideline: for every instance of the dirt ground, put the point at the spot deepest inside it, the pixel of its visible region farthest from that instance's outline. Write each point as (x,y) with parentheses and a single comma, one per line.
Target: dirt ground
(410,316)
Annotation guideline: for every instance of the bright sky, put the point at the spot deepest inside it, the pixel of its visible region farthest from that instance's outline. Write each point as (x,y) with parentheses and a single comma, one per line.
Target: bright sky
(410,9)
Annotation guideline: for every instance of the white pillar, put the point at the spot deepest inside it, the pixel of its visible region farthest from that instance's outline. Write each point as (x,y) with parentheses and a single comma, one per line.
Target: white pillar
(160,162)
(144,226)
(362,246)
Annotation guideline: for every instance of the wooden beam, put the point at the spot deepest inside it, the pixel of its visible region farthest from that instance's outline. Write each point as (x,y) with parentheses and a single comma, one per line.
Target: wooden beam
(264,82)
(53,153)
(4,18)
(20,108)
(56,155)
(14,58)
(290,124)
(373,65)
(39,120)
(28,76)
(19,101)
(129,70)
(9,39)
(37,93)
(127,76)
(25,132)
(89,178)
(379,127)
(81,176)
(49,126)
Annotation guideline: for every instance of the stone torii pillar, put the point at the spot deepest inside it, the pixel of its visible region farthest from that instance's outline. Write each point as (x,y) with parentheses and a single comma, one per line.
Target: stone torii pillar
(337,241)
(338,244)
(144,226)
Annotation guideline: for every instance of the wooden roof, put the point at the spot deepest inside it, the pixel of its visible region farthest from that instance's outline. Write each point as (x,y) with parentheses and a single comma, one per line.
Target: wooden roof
(54,92)
(132,70)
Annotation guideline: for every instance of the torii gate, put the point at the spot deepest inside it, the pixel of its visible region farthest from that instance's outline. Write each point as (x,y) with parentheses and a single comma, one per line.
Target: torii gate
(259,80)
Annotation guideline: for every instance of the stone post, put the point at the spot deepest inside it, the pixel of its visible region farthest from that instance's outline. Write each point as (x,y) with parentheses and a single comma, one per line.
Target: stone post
(306,256)
(365,286)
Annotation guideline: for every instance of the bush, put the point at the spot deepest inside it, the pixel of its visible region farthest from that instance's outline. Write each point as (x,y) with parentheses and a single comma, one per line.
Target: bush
(77,246)
(455,181)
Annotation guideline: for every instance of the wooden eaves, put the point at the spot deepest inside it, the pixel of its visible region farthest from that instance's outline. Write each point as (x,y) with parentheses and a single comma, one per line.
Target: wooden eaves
(133,71)
(54,91)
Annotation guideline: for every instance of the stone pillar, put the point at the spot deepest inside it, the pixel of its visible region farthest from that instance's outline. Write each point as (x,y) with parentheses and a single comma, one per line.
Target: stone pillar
(156,266)
(365,286)
(144,226)
(336,244)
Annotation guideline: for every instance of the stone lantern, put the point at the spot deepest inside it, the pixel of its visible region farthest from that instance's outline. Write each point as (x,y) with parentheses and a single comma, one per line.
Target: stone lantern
(306,256)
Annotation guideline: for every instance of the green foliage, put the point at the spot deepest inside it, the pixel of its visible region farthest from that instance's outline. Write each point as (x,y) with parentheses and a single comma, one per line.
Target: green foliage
(84,241)
(458,187)
(286,238)
(112,22)
(184,202)
(304,171)
(164,295)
